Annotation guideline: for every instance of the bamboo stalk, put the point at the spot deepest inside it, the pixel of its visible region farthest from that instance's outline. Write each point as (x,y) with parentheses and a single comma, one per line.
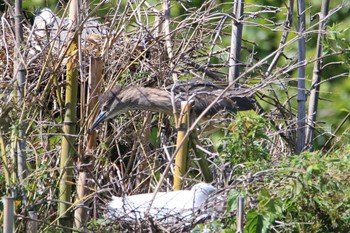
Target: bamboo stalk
(5,163)
(9,216)
(240,214)
(316,76)
(32,224)
(69,125)
(144,144)
(167,37)
(20,74)
(182,144)
(84,162)
(236,41)
(301,97)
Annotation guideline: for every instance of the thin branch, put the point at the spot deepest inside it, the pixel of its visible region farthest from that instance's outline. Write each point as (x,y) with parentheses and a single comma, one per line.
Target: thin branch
(316,77)
(287,26)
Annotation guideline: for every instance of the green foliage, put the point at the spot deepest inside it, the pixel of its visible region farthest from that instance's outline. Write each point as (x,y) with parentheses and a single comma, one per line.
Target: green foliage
(2,184)
(33,5)
(241,144)
(324,196)
(336,40)
(101,225)
(306,193)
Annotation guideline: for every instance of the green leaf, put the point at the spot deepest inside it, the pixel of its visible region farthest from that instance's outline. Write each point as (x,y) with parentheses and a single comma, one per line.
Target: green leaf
(232,199)
(275,207)
(153,137)
(270,207)
(314,170)
(255,222)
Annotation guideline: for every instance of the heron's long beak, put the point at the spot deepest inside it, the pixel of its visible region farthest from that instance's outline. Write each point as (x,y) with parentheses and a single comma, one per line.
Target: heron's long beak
(101,117)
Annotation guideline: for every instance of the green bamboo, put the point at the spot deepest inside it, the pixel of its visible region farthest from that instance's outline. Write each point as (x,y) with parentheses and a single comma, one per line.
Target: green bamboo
(4,162)
(69,127)
(182,144)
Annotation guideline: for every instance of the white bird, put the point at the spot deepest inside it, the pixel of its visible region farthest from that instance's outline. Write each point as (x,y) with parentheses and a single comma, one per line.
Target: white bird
(166,206)
(47,25)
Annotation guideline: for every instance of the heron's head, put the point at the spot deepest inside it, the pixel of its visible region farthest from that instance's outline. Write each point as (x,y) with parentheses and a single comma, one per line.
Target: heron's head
(110,105)
(201,193)
(204,187)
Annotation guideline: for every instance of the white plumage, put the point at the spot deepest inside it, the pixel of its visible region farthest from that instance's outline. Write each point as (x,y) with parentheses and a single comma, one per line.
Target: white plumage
(49,28)
(166,206)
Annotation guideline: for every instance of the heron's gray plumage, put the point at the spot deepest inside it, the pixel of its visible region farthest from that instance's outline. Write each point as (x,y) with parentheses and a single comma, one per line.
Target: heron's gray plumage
(121,99)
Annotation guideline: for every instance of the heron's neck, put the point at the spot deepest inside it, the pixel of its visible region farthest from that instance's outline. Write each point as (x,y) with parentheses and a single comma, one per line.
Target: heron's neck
(150,99)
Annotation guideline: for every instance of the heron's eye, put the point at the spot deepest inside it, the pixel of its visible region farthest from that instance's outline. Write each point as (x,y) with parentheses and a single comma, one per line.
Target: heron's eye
(105,108)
